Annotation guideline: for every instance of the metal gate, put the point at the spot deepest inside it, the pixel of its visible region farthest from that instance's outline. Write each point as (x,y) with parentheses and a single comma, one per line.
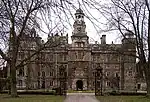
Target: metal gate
(98,81)
(63,80)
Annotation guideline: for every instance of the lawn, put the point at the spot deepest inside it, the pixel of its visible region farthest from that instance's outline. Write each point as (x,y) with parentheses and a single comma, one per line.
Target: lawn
(123,99)
(52,98)
(31,98)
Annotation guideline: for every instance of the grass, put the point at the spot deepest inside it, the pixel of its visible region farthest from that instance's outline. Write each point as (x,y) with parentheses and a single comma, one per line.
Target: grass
(123,99)
(32,98)
(52,98)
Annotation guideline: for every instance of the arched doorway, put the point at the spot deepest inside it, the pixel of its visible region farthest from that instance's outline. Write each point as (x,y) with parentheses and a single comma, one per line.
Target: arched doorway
(79,85)
(43,84)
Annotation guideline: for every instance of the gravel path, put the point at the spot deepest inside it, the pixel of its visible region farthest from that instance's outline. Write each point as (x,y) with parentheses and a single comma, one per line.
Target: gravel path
(79,97)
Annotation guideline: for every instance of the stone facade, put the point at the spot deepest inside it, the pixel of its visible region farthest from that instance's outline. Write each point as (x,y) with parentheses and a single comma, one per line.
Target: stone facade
(80,59)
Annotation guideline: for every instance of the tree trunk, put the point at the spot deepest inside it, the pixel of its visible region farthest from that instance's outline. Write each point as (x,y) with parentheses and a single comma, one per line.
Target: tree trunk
(13,81)
(148,80)
(147,77)
(14,45)
(148,88)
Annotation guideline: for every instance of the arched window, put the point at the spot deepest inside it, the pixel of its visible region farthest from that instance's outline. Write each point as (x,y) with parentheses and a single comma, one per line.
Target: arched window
(21,72)
(108,84)
(79,16)
(39,84)
(51,83)
(20,83)
(43,74)
(51,73)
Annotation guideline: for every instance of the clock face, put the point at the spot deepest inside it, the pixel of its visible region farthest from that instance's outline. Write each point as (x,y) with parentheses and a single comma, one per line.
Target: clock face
(79,22)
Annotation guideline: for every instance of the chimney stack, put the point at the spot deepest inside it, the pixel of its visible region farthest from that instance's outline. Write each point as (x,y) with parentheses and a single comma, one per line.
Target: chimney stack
(103,39)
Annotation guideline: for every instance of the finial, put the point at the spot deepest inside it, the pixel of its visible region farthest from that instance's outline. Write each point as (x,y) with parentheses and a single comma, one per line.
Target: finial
(79,4)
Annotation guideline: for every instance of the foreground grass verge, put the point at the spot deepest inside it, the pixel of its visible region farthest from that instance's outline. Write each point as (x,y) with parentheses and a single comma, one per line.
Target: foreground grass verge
(123,99)
(31,98)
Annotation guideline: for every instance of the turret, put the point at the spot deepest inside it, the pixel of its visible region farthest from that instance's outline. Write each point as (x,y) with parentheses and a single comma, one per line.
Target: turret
(79,35)
(129,40)
(79,24)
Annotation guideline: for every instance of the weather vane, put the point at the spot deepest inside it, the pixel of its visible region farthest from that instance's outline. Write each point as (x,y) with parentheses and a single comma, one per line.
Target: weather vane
(79,3)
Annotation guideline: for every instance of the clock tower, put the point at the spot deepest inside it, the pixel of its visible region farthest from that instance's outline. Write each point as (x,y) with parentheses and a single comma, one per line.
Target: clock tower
(79,34)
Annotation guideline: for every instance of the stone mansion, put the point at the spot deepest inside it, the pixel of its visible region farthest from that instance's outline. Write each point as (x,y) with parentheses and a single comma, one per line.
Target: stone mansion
(80,59)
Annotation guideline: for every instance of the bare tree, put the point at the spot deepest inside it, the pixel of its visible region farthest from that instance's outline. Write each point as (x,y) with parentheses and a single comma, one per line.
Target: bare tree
(16,19)
(132,16)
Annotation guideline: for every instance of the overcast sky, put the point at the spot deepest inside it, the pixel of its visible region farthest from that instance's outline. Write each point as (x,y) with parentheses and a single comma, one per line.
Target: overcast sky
(94,35)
